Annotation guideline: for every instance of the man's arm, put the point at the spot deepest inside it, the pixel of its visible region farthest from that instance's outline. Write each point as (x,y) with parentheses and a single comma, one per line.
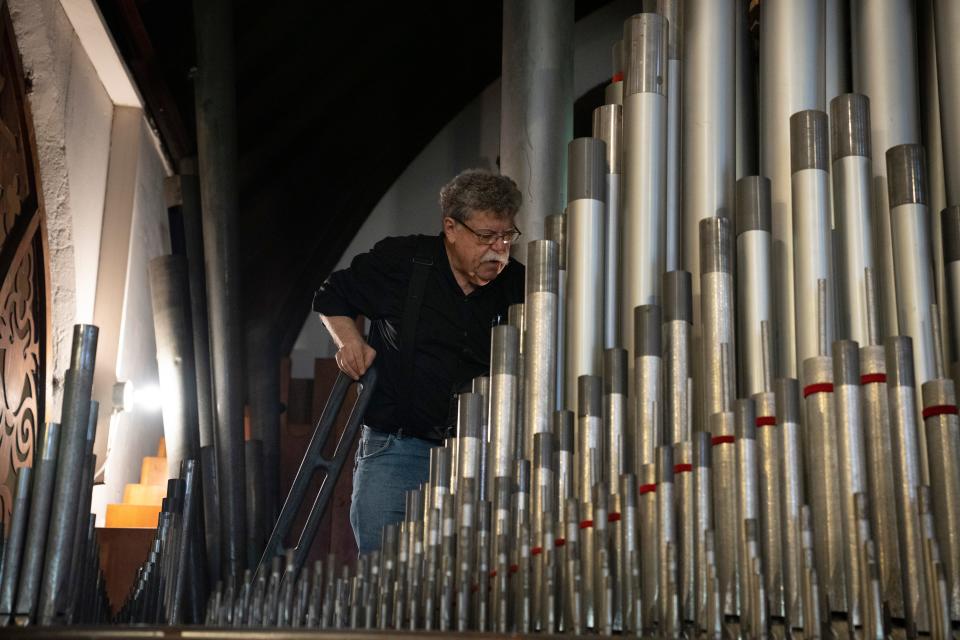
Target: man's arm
(354,355)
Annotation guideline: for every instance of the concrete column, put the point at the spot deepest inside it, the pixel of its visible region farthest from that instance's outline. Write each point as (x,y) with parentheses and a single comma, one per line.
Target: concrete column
(536,112)
(217,147)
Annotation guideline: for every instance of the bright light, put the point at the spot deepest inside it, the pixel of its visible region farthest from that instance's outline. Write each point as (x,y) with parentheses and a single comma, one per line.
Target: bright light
(123,396)
(148,398)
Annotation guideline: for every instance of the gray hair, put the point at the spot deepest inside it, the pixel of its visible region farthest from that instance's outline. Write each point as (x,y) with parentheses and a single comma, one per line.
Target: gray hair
(480,190)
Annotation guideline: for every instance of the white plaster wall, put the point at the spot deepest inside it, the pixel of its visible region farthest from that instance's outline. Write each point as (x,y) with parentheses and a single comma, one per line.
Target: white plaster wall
(135,434)
(78,81)
(89,114)
(470,140)
(45,39)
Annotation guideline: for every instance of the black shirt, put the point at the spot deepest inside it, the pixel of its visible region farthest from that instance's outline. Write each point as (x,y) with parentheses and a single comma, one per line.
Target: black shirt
(453,331)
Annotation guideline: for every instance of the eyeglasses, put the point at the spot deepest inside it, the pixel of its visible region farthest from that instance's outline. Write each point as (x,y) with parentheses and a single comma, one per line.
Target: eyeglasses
(485,236)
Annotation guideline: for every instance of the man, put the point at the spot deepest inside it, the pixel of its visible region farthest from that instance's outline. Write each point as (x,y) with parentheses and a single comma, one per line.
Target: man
(432,301)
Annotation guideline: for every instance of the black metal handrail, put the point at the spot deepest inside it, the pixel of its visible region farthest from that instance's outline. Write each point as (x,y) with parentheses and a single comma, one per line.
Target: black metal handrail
(313,461)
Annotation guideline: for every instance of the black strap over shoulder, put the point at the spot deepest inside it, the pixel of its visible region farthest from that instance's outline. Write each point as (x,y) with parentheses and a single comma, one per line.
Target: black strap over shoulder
(422,264)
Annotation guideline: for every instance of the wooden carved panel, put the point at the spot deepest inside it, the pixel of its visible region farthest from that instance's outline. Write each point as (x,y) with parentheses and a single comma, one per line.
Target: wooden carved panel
(22,277)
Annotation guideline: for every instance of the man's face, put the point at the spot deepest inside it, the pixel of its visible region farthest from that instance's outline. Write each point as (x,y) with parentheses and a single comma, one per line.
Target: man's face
(480,261)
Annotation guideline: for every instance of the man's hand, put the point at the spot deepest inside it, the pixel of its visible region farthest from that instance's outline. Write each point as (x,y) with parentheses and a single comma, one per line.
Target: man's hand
(355,357)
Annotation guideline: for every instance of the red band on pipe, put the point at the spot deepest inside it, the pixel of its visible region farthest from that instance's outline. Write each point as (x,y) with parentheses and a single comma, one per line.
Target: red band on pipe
(586,524)
(613,517)
(682,468)
(618,76)
(722,440)
(514,568)
(766,421)
(536,551)
(559,542)
(939,410)
(647,488)
(493,574)
(820,387)
(870,378)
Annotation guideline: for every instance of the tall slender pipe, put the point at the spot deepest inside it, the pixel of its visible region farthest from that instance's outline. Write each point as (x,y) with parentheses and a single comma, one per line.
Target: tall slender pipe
(837,76)
(748,498)
(613,94)
(516,317)
(947,23)
(703,522)
(853,211)
(672,10)
(618,438)
(172,325)
(505,350)
(586,187)
(666,539)
(813,273)
(481,386)
(883,509)
(747,112)
(943,450)
(536,106)
(608,126)
(851,456)
(901,398)
(787,392)
(723,481)
(556,230)
(791,79)
(907,184)
(217,146)
(770,517)
(189,185)
(889,78)
(540,362)
(708,154)
(31,564)
(716,289)
(644,165)
(677,381)
(823,480)
(649,562)
(755,321)
(590,471)
(70,458)
(950,227)
(648,390)
(13,543)
(931,132)
(686,515)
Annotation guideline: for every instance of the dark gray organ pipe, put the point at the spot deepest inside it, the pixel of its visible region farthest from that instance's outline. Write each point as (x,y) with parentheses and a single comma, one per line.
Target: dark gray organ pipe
(217,146)
(78,382)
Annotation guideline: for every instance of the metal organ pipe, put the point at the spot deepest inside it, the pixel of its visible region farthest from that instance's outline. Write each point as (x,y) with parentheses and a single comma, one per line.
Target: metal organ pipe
(644,165)
(586,187)
(888,78)
(907,182)
(608,126)
(853,210)
(755,319)
(791,80)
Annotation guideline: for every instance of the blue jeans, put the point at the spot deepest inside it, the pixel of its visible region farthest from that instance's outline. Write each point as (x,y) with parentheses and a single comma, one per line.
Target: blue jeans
(386,466)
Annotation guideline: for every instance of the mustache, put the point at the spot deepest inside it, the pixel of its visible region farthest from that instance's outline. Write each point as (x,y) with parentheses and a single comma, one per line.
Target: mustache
(493,256)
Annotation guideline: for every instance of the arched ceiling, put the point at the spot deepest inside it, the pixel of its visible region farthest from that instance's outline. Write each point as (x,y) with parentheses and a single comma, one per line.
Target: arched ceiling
(334,99)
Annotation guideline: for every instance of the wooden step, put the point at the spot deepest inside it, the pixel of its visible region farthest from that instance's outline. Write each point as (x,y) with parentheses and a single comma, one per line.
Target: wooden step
(154,471)
(162,448)
(148,494)
(132,516)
